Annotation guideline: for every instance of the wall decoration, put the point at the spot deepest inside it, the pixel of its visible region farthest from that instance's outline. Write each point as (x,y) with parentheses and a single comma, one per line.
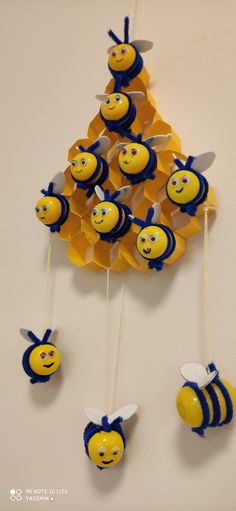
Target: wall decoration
(127,144)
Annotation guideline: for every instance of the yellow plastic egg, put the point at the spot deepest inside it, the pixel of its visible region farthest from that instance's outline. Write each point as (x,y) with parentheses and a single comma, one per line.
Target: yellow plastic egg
(115,106)
(152,242)
(44,359)
(48,210)
(106,448)
(121,57)
(133,158)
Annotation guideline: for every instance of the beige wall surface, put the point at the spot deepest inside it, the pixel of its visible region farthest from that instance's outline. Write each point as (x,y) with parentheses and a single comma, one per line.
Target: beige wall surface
(53,62)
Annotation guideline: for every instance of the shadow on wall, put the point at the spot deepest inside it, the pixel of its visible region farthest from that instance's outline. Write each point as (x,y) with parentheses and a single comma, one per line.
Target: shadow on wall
(195,451)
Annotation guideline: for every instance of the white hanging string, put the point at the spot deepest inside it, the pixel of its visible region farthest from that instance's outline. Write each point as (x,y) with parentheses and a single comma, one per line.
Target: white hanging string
(46,283)
(107,346)
(116,352)
(206,285)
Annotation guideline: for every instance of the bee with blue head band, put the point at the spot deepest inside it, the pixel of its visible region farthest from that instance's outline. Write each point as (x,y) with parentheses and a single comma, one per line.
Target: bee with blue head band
(104,439)
(205,400)
(137,159)
(88,167)
(186,187)
(118,109)
(155,241)
(42,358)
(53,209)
(110,218)
(124,56)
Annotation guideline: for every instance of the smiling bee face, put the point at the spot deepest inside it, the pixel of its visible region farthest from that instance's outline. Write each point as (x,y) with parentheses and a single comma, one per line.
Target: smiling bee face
(115,106)
(121,57)
(152,242)
(48,210)
(104,217)
(106,448)
(83,166)
(44,359)
(183,186)
(133,158)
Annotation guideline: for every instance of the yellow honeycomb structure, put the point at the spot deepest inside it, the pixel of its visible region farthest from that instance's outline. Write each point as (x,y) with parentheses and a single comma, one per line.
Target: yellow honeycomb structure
(85,249)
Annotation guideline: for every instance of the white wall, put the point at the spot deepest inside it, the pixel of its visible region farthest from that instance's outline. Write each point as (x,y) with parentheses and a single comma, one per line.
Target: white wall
(53,62)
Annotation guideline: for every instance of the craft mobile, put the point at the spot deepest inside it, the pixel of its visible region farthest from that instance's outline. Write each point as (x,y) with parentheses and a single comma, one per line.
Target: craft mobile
(137,159)
(110,218)
(155,242)
(88,167)
(205,400)
(53,209)
(124,56)
(104,439)
(186,187)
(42,359)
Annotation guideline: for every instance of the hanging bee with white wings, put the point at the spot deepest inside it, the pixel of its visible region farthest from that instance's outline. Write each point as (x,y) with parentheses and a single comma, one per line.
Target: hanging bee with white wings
(125,57)
(104,439)
(155,241)
(42,358)
(88,167)
(138,159)
(205,400)
(186,187)
(110,218)
(53,209)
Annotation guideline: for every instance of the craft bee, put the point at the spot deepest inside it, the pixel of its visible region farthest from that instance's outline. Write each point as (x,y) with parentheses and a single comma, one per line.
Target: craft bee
(88,167)
(155,242)
(186,187)
(124,56)
(118,109)
(110,218)
(104,439)
(53,209)
(137,159)
(42,359)
(205,400)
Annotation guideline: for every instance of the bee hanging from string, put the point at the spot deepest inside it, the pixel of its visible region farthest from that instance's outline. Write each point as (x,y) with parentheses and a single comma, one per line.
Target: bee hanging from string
(110,218)
(118,109)
(88,167)
(42,358)
(125,57)
(137,159)
(155,241)
(53,209)
(205,400)
(186,187)
(104,439)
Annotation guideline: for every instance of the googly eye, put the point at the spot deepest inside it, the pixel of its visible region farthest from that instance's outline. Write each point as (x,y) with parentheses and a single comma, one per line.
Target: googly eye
(185,180)
(124,51)
(95,212)
(43,355)
(74,163)
(37,210)
(134,151)
(143,238)
(52,354)
(83,161)
(102,451)
(153,238)
(45,208)
(104,211)
(107,101)
(124,151)
(174,182)
(115,451)
(114,53)
(117,98)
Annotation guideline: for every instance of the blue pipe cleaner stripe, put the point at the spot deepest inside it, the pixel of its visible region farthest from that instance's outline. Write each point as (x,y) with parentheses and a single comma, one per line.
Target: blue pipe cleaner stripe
(216,406)
(228,402)
(204,406)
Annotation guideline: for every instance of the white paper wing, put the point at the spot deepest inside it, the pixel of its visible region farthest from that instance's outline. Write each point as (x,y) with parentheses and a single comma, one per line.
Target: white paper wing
(58,182)
(159,141)
(100,97)
(24,333)
(142,45)
(104,144)
(197,373)
(203,161)
(125,192)
(99,192)
(156,212)
(137,97)
(125,412)
(94,415)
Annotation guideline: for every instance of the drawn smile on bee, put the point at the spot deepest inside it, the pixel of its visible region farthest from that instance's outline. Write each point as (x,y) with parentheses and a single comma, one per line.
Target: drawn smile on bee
(147,250)
(48,365)
(179,191)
